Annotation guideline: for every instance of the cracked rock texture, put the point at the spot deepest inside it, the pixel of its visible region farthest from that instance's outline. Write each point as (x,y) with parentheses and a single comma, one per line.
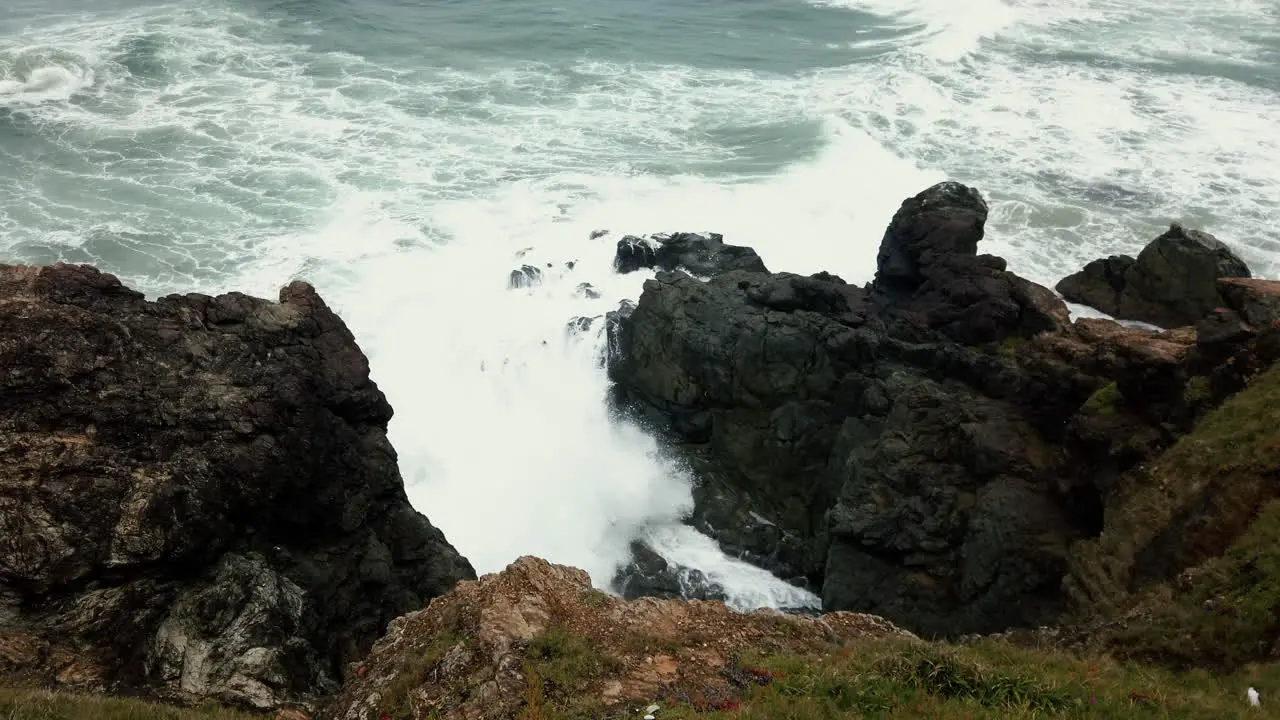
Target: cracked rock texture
(197,494)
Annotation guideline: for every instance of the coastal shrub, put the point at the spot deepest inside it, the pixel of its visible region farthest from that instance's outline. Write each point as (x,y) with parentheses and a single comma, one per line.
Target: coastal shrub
(23,704)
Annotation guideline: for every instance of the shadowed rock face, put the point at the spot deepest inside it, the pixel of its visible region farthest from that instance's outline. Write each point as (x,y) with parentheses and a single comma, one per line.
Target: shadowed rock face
(197,495)
(920,448)
(1173,281)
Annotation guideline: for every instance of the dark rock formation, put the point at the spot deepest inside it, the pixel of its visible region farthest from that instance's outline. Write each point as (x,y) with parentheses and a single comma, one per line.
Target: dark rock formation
(587,290)
(928,269)
(198,499)
(700,255)
(1173,281)
(926,448)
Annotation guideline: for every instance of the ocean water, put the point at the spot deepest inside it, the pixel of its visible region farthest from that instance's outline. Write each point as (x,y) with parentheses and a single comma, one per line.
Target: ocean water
(406,156)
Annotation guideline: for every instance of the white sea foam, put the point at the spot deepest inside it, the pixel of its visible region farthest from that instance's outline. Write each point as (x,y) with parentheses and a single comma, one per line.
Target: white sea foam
(946,30)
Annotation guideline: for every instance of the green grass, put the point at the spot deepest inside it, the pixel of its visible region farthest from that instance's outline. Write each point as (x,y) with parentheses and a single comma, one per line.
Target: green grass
(913,679)
(412,674)
(1198,391)
(1206,507)
(1226,614)
(1008,348)
(564,666)
(20,704)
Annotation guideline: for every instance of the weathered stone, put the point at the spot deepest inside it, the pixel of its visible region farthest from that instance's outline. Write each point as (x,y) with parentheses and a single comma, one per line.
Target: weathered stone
(198,498)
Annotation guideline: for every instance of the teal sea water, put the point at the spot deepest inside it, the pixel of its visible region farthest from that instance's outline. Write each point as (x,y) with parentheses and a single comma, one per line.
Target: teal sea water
(401,154)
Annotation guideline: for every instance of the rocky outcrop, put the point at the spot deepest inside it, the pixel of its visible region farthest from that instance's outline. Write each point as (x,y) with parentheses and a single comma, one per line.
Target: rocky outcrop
(538,635)
(929,271)
(701,255)
(1173,281)
(926,448)
(197,495)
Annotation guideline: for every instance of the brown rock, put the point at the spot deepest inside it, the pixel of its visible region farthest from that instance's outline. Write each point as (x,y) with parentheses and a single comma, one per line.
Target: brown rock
(463,656)
(1257,301)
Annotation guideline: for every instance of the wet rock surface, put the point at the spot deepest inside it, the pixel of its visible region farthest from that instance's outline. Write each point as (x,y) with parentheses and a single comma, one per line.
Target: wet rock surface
(198,499)
(700,255)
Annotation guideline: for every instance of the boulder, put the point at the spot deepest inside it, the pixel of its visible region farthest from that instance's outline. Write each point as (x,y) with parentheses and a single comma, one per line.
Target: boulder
(701,255)
(198,498)
(1172,283)
(929,271)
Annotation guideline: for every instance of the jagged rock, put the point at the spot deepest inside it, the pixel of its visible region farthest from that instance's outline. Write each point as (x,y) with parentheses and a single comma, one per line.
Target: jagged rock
(928,271)
(198,499)
(587,290)
(1173,282)
(928,446)
(466,655)
(701,255)
(650,575)
(598,234)
(526,276)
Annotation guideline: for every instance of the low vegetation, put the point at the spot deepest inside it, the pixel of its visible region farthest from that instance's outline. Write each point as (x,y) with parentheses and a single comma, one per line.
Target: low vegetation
(18,704)
(1104,401)
(911,679)
(1190,557)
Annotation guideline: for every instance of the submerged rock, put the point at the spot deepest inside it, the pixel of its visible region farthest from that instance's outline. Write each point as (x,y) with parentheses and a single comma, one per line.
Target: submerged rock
(197,495)
(650,575)
(700,255)
(1172,283)
(525,277)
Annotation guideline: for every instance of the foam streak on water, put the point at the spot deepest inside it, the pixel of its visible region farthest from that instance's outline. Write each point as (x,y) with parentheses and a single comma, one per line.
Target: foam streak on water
(231,144)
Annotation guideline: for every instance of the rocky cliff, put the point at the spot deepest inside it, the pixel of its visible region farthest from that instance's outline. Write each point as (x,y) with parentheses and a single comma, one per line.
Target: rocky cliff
(932,446)
(539,636)
(197,495)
